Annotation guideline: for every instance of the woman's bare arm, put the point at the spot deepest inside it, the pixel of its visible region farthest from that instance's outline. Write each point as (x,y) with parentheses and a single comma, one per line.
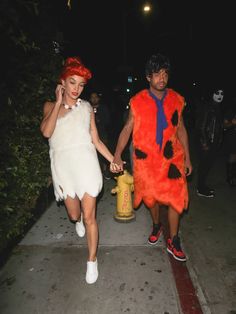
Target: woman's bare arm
(50,113)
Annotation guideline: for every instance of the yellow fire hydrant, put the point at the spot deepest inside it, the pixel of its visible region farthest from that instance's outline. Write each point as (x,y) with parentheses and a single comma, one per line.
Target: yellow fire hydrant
(124,189)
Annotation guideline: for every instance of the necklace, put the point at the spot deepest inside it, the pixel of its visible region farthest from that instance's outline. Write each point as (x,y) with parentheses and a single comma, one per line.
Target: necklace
(67,107)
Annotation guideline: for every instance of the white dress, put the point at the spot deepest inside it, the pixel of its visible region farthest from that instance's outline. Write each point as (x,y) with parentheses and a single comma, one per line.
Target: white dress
(74,162)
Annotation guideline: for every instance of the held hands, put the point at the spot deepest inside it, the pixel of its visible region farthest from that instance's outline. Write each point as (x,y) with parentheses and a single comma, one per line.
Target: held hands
(117,165)
(114,168)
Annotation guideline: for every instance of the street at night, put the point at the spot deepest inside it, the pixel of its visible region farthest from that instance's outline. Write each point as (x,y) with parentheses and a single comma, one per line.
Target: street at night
(42,259)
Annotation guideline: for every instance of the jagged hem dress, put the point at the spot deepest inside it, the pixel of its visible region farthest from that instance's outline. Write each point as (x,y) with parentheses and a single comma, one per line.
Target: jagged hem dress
(74,161)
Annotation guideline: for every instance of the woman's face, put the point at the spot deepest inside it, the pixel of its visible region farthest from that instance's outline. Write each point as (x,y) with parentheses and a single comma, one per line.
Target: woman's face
(74,86)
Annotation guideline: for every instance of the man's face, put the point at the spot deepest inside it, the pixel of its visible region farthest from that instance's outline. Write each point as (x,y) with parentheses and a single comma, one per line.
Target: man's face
(94,99)
(218,96)
(158,80)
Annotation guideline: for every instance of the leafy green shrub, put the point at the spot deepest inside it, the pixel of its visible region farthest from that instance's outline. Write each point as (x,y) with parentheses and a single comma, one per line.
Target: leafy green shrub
(29,80)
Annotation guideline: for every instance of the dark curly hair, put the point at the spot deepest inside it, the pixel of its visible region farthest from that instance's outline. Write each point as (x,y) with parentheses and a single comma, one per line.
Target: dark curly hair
(155,63)
(74,66)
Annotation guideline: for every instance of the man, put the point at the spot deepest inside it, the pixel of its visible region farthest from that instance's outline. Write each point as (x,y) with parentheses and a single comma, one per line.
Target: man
(160,151)
(209,136)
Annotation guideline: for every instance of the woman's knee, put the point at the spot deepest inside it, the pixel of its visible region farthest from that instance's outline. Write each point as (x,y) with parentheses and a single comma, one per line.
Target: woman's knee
(72,207)
(89,219)
(73,214)
(73,218)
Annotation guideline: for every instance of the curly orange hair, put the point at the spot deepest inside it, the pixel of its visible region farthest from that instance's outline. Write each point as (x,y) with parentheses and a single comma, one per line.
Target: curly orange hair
(74,66)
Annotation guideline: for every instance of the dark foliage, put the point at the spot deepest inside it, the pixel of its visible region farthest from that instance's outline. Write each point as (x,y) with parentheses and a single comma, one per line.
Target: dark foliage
(29,68)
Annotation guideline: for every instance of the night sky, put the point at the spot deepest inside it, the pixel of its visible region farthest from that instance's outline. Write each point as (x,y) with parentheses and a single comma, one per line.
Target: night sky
(198,38)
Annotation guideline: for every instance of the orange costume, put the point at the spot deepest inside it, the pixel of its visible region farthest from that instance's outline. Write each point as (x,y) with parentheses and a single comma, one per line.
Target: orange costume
(159,173)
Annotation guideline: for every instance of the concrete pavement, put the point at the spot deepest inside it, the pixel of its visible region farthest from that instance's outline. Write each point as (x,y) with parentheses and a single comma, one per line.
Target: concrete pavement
(208,231)
(46,272)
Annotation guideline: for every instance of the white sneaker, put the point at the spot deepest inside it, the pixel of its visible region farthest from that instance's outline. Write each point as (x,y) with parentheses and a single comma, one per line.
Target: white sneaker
(92,272)
(79,227)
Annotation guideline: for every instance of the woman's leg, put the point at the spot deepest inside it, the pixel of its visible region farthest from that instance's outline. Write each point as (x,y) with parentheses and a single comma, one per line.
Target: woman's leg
(89,209)
(73,208)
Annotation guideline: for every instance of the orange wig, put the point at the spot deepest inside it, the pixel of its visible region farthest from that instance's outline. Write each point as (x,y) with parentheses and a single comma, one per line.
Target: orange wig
(74,66)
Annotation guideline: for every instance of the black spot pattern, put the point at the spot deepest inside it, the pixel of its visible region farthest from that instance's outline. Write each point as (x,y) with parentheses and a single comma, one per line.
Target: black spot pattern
(168,150)
(175,118)
(174,172)
(139,154)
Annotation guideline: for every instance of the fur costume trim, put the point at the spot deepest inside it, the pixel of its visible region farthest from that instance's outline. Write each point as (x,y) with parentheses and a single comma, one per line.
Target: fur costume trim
(158,173)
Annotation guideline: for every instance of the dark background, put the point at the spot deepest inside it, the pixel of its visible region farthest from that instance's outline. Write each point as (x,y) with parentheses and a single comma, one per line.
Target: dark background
(114,38)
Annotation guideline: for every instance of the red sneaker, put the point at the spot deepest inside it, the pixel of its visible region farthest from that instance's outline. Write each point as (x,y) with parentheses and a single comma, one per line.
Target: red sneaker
(155,235)
(174,248)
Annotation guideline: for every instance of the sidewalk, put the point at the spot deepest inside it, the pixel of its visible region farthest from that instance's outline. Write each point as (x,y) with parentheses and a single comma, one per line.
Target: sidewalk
(46,272)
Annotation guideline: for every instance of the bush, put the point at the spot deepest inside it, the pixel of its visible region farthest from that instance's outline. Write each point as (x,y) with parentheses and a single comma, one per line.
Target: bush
(29,80)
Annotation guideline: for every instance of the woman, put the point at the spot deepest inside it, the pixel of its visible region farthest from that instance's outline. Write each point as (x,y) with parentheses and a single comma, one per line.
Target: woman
(69,124)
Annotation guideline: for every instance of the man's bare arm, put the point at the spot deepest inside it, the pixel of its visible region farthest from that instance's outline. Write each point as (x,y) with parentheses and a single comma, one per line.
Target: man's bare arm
(183,138)
(123,139)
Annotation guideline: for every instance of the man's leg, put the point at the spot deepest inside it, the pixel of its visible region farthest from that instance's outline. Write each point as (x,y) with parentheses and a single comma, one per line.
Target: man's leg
(155,213)
(173,220)
(231,169)
(173,243)
(203,169)
(206,161)
(157,227)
